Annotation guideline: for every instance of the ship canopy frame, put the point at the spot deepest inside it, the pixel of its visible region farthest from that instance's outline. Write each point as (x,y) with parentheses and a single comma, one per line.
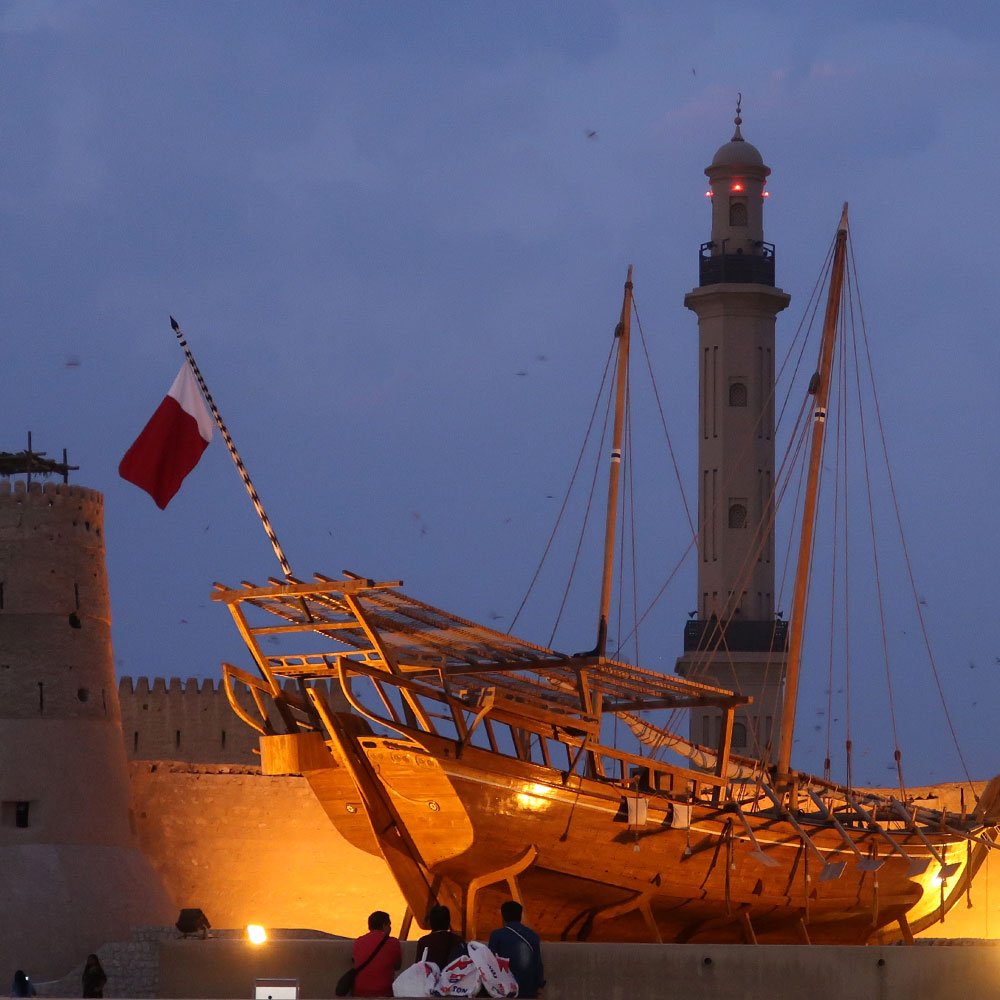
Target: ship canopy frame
(477,674)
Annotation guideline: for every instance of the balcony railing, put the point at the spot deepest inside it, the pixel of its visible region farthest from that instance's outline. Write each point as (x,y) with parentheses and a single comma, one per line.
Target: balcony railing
(755,268)
(737,636)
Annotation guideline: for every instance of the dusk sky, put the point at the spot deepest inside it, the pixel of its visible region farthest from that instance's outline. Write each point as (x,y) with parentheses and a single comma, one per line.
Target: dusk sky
(396,234)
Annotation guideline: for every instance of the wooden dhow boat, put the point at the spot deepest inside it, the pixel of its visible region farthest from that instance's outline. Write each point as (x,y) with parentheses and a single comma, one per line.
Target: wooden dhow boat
(482,767)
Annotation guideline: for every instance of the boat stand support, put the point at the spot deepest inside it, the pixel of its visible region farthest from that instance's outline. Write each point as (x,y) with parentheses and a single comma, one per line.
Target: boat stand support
(638,902)
(740,916)
(506,874)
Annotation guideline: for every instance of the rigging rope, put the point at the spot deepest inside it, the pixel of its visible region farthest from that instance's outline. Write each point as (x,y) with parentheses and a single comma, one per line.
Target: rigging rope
(583,527)
(569,488)
(902,536)
(897,753)
(663,419)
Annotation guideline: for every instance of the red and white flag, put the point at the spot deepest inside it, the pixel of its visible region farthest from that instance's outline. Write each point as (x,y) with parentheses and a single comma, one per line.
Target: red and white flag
(171,443)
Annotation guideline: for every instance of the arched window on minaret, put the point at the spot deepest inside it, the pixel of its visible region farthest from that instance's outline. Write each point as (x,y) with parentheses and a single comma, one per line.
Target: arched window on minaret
(739,735)
(737,394)
(737,213)
(737,514)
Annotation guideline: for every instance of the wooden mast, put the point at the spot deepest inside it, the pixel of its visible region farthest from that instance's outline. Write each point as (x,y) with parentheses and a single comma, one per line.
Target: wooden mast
(820,388)
(621,390)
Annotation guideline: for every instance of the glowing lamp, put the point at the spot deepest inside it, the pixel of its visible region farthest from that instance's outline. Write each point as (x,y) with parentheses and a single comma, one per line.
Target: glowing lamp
(766,194)
(737,186)
(708,194)
(256,934)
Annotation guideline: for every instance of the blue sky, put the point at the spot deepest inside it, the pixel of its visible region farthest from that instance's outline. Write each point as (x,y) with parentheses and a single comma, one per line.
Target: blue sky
(370,218)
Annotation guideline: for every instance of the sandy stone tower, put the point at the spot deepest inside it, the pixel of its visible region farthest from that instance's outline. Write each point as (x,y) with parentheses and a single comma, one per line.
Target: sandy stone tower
(71,877)
(734,639)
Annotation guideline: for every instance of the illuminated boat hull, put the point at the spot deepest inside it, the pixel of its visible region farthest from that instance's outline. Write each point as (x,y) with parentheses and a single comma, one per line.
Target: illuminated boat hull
(490,829)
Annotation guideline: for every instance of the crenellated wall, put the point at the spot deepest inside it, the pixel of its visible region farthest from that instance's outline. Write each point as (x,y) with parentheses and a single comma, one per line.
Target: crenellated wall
(183,720)
(191,720)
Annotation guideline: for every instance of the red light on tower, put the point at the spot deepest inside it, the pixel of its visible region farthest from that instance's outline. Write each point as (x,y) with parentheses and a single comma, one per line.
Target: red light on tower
(709,194)
(765,194)
(737,186)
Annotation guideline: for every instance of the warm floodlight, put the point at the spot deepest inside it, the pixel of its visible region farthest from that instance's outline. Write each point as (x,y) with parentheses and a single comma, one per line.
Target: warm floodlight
(256,934)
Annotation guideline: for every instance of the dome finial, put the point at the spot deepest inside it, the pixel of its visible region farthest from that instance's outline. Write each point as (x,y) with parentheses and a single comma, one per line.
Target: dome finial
(737,135)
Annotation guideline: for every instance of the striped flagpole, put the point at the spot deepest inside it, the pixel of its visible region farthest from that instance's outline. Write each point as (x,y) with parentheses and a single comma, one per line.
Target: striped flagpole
(237,461)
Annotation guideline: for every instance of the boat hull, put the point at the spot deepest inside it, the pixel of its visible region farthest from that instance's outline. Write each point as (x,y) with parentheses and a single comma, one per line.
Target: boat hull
(488,828)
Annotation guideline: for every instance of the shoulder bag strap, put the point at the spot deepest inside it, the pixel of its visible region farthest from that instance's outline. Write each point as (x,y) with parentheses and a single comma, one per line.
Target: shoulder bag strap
(522,937)
(358,968)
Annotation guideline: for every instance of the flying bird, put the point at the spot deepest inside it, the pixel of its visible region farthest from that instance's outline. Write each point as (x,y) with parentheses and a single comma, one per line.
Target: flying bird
(591,133)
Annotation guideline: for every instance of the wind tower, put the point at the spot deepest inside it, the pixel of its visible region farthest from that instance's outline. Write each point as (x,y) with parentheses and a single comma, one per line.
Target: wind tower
(71,875)
(734,639)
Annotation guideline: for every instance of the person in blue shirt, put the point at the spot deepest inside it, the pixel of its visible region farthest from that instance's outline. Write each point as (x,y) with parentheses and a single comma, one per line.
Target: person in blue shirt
(522,947)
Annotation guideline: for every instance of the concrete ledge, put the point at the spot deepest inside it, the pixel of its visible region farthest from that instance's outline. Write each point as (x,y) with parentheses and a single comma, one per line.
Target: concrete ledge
(194,969)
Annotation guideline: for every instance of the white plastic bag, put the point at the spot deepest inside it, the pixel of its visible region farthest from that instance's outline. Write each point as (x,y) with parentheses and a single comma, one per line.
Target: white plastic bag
(459,978)
(496,977)
(507,980)
(417,980)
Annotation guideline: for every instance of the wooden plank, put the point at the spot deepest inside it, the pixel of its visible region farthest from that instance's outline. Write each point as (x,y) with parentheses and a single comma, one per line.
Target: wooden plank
(514,711)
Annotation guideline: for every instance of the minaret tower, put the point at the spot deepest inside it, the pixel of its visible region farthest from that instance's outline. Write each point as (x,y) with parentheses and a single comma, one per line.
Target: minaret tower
(734,638)
(71,875)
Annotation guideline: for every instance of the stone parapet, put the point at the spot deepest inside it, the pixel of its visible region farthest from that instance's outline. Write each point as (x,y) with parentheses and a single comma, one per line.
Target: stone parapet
(192,720)
(227,969)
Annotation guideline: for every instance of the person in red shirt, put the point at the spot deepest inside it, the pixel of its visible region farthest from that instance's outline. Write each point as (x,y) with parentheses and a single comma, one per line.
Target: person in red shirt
(375,979)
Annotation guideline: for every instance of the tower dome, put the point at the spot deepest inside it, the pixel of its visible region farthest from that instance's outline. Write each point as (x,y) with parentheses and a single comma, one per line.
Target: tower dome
(737,177)
(737,152)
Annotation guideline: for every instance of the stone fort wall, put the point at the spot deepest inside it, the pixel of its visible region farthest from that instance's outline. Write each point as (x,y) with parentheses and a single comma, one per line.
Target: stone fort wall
(190,721)
(242,846)
(252,848)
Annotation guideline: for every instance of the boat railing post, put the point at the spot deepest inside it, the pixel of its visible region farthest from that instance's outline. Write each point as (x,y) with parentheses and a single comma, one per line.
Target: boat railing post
(722,756)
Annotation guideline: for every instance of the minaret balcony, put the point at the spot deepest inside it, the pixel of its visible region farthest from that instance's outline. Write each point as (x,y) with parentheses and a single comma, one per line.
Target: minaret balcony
(755,268)
(736,635)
